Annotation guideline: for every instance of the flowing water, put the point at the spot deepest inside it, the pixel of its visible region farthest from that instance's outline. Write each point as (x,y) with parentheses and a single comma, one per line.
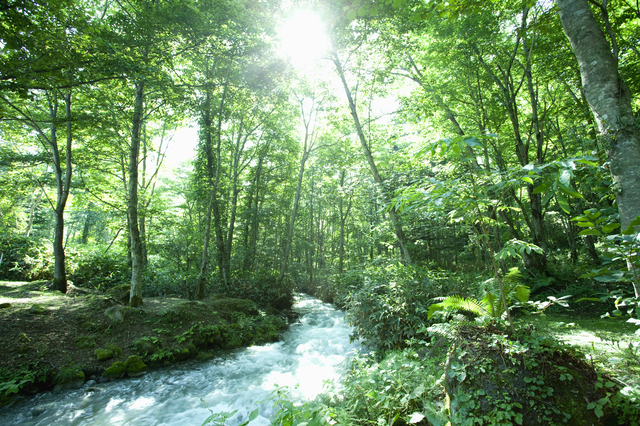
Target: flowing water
(311,352)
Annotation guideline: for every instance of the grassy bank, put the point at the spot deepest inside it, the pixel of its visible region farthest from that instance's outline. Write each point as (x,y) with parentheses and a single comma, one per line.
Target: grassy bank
(51,340)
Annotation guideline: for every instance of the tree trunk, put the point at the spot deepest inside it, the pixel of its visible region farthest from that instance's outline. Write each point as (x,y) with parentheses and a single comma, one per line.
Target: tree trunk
(63,183)
(393,215)
(135,297)
(610,101)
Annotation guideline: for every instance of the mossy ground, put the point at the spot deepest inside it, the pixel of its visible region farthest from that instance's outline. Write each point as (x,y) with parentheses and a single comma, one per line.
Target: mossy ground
(610,344)
(71,327)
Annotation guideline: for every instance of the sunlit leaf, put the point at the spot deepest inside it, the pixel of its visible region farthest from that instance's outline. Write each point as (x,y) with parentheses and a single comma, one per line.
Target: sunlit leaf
(590,232)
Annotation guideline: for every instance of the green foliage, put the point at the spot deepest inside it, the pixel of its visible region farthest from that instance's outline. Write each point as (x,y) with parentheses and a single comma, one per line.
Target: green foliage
(25,259)
(403,387)
(288,414)
(98,270)
(390,306)
(23,378)
(491,304)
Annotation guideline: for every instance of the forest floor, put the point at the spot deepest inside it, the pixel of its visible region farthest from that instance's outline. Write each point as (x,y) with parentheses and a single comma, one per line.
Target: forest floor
(54,340)
(609,344)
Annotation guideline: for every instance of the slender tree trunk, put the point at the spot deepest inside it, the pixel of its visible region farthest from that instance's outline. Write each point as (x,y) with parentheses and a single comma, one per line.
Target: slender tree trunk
(294,211)
(393,215)
(63,183)
(137,264)
(610,101)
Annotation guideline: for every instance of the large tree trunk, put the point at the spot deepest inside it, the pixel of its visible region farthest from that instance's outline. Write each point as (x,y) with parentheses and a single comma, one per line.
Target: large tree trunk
(63,182)
(137,266)
(610,101)
(393,215)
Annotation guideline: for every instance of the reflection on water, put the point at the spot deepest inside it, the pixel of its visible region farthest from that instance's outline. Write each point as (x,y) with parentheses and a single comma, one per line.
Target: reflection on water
(309,354)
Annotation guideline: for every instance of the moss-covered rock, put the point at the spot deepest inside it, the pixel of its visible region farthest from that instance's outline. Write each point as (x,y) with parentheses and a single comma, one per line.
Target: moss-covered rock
(204,356)
(71,377)
(135,366)
(120,293)
(116,314)
(36,309)
(117,371)
(85,342)
(103,354)
(146,346)
(494,379)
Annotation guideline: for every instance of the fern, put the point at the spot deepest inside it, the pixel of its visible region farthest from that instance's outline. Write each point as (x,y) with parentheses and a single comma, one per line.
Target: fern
(491,304)
(455,303)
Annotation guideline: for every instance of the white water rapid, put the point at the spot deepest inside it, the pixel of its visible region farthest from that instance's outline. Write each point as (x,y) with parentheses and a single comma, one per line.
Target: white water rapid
(310,352)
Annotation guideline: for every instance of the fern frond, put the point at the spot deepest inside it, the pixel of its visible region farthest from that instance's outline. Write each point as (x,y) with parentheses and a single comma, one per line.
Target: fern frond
(455,303)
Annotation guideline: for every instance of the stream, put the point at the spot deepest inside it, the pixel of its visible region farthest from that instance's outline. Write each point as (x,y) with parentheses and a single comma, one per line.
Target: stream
(312,351)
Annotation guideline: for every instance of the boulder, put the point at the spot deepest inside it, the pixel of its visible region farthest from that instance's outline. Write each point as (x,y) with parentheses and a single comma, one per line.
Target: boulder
(135,366)
(117,371)
(116,314)
(120,293)
(103,354)
(68,378)
(492,378)
(36,310)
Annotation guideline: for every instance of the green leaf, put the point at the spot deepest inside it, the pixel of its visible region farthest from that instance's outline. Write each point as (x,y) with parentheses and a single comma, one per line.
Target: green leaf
(610,227)
(565,178)
(584,224)
(563,203)
(253,415)
(527,179)
(472,141)
(598,411)
(590,232)
(542,188)
(591,406)
(570,191)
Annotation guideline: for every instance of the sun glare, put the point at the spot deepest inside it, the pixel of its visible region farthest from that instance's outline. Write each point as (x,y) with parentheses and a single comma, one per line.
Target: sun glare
(302,38)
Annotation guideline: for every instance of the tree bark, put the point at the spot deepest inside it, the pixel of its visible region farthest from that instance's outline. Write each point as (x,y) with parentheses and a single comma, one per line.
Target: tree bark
(610,101)
(63,183)
(137,267)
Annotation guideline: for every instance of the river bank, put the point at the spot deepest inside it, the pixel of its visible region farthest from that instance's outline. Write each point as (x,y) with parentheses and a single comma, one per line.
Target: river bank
(55,341)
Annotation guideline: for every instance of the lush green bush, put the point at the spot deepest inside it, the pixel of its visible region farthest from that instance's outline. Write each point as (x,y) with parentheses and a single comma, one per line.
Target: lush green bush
(25,259)
(403,388)
(390,305)
(95,269)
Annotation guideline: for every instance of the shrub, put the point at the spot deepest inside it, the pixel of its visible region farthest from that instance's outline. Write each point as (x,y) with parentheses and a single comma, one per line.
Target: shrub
(390,306)
(25,259)
(100,271)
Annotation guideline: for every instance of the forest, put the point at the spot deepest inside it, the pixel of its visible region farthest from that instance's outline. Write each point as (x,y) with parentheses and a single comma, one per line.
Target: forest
(461,177)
